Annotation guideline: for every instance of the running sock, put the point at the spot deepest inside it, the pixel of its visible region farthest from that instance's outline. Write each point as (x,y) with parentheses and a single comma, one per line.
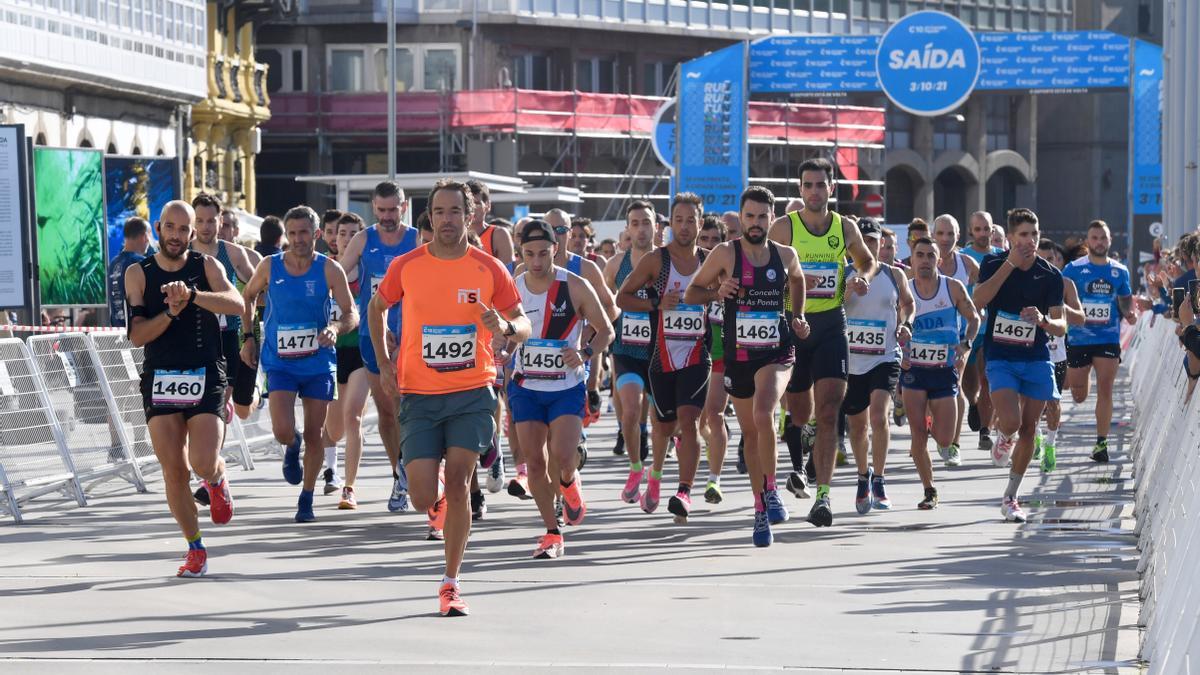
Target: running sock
(331,458)
(1051,435)
(1003,437)
(395,476)
(791,436)
(864,476)
(645,429)
(522,469)
(769,484)
(449,580)
(554,530)
(655,475)
(713,478)
(566,483)
(635,466)
(1014,484)
(822,492)
(985,431)
(685,489)
(1101,439)
(195,543)
(759,506)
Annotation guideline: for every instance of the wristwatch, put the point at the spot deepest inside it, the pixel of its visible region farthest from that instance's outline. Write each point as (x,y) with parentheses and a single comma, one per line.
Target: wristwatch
(510,330)
(249,336)
(588,351)
(192,297)
(173,317)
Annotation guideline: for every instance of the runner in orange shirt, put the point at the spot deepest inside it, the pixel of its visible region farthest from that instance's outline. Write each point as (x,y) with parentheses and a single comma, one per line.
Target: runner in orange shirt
(457,302)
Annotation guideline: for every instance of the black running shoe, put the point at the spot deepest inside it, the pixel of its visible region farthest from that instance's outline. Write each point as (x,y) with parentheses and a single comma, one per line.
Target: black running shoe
(201,496)
(973,417)
(931,500)
(810,469)
(821,514)
(619,448)
(1100,452)
(581,450)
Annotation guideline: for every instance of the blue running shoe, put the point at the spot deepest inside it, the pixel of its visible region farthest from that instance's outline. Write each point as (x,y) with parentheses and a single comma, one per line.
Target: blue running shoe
(879,498)
(398,500)
(304,508)
(862,498)
(762,530)
(776,511)
(293,473)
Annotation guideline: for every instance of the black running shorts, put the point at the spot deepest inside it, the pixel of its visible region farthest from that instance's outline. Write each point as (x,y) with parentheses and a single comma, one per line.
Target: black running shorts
(824,354)
(882,377)
(671,391)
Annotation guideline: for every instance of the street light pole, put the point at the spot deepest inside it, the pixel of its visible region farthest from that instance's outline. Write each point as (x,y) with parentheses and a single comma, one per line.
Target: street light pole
(391,106)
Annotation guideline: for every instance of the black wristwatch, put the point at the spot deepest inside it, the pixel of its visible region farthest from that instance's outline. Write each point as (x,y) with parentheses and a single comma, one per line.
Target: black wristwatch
(192,297)
(588,351)
(511,330)
(173,317)
(249,336)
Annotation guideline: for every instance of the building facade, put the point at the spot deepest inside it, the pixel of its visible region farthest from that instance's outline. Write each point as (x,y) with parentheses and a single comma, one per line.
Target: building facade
(1065,155)
(113,74)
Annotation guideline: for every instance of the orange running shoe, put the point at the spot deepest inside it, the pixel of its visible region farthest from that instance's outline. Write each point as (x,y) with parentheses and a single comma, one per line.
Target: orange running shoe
(451,603)
(195,565)
(220,502)
(550,546)
(574,508)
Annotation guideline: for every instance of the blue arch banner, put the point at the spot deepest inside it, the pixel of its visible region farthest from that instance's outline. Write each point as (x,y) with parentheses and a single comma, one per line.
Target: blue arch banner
(1036,62)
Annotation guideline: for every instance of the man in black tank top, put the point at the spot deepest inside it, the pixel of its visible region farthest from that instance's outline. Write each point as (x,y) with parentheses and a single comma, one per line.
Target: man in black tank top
(174,297)
(751,276)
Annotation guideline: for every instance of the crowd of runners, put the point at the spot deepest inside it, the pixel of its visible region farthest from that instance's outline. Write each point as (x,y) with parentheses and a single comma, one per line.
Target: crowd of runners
(486,344)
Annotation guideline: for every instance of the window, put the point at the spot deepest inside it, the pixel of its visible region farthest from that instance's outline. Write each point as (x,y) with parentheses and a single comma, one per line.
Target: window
(948,131)
(405,74)
(428,67)
(899,128)
(441,5)
(655,77)
(999,120)
(597,74)
(531,71)
(346,70)
(441,69)
(285,67)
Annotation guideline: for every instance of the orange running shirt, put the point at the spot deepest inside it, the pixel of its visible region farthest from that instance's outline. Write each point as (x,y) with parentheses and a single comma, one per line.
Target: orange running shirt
(444,347)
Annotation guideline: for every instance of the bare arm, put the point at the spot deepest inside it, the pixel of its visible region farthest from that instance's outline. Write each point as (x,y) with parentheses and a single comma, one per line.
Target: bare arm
(962,302)
(591,308)
(595,278)
(502,244)
(781,231)
(796,283)
(1072,310)
(1054,323)
(972,268)
(142,329)
(907,305)
(223,298)
(350,257)
(985,291)
(642,275)
(336,278)
(708,284)
(241,261)
(254,288)
(864,262)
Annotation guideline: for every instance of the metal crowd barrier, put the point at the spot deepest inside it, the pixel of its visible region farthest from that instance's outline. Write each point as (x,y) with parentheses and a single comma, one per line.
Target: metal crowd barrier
(71,418)
(1166,454)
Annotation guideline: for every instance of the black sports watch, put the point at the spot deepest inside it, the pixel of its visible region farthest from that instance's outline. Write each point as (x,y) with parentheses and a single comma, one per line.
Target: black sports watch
(249,336)
(511,330)
(588,351)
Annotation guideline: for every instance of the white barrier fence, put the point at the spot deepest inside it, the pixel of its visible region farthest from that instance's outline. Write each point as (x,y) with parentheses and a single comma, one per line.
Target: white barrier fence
(71,418)
(1166,454)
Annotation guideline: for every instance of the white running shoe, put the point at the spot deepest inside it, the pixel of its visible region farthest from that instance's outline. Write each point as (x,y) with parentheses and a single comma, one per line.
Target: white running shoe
(1011,509)
(496,479)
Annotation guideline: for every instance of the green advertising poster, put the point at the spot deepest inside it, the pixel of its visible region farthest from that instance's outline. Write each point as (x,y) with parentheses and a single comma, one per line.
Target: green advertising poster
(69,206)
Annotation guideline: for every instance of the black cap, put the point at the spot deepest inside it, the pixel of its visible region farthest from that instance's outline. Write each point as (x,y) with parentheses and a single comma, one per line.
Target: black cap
(538,230)
(868,227)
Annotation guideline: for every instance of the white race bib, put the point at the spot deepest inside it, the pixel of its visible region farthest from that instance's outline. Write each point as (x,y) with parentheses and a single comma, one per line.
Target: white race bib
(543,359)
(820,279)
(635,329)
(1097,313)
(930,354)
(685,322)
(177,388)
(293,341)
(376,279)
(757,330)
(716,313)
(448,348)
(866,336)
(1010,329)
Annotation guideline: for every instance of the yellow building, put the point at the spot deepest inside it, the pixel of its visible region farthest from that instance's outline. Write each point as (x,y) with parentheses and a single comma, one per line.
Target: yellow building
(225,125)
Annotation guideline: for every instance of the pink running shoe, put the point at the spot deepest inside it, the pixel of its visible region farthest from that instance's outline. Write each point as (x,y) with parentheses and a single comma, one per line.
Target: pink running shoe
(650,496)
(633,487)
(1002,451)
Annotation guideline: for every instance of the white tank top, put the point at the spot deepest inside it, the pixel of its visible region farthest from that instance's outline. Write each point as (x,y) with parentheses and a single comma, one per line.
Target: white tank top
(871,323)
(1058,351)
(935,327)
(556,324)
(683,329)
(960,270)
